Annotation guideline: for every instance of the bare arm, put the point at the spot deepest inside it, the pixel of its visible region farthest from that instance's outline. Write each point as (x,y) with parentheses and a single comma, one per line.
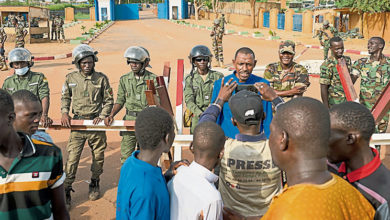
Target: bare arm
(324,94)
(109,119)
(297,90)
(45,120)
(58,203)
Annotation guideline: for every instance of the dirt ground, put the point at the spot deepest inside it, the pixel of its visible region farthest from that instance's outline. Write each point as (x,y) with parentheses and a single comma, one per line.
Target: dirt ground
(166,42)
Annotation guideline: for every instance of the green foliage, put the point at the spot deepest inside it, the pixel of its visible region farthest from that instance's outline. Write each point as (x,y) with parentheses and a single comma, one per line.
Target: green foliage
(257,32)
(365,5)
(83,28)
(62,6)
(272,33)
(81,16)
(17,3)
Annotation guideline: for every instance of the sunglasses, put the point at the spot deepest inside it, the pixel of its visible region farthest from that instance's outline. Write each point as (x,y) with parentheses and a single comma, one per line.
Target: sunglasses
(202,59)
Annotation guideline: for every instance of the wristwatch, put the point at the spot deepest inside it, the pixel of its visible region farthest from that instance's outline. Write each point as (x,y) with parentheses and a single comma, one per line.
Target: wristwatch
(277,101)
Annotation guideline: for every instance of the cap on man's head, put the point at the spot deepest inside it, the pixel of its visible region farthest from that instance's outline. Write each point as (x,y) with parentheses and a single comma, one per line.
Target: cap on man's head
(287,46)
(246,107)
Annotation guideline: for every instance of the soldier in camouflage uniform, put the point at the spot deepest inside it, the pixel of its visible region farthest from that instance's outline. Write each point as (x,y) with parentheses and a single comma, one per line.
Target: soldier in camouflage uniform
(288,78)
(325,34)
(222,22)
(131,95)
(20,34)
(53,28)
(374,72)
(24,78)
(59,23)
(3,38)
(217,35)
(332,91)
(92,99)
(199,83)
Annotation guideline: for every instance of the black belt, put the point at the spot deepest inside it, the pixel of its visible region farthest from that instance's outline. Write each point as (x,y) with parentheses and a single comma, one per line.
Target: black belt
(85,117)
(132,113)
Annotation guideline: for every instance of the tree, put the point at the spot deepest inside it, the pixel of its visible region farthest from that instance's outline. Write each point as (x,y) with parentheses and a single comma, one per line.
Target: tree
(215,5)
(367,6)
(253,12)
(198,4)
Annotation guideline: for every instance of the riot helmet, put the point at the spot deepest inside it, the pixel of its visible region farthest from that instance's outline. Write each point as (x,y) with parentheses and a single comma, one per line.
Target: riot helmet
(82,51)
(20,55)
(138,54)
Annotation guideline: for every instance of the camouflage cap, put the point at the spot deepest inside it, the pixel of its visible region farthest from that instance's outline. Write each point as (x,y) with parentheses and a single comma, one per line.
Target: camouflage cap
(216,21)
(326,22)
(287,46)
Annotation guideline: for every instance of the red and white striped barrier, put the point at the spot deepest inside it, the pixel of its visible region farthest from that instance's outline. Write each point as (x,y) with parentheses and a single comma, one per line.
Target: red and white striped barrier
(87,125)
(179,95)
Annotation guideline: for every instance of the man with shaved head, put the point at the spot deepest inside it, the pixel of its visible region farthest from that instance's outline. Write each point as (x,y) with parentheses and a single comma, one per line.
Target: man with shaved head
(351,157)
(192,191)
(299,143)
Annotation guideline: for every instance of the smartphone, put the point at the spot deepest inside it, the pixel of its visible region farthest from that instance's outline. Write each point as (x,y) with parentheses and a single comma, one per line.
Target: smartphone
(249,87)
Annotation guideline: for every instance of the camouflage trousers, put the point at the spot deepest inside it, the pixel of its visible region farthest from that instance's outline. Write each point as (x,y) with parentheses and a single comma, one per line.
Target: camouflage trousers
(19,43)
(2,58)
(96,141)
(60,33)
(53,32)
(128,144)
(218,49)
(326,49)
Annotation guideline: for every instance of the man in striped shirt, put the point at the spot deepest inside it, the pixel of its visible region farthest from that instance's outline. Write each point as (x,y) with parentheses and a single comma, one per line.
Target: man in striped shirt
(31,173)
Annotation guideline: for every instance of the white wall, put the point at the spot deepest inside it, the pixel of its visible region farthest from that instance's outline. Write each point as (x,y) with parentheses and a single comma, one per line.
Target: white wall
(175,3)
(104,4)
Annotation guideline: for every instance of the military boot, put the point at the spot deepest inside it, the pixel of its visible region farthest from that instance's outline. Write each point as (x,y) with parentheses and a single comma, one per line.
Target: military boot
(94,191)
(68,197)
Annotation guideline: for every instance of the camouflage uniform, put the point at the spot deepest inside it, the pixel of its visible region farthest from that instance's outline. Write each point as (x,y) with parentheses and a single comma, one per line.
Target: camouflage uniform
(197,93)
(222,22)
(131,95)
(284,81)
(217,42)
(3,37)
(59,22)
(324,36)
(32,81)
(330,76)
(92,97)
(375,75)
(53,29)
(19,33)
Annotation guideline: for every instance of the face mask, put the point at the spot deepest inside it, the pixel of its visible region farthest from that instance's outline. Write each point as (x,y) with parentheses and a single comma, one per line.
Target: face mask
(22,71)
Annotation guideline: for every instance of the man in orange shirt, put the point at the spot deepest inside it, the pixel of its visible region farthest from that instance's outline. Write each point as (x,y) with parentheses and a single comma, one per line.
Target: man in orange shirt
(299,142)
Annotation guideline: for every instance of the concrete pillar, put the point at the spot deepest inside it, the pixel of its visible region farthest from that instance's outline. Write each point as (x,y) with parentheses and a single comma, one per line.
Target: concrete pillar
(92,16)
(273,18)
(283,4)
(316,3)
(288,25)
(69,14)
(261,15)
(307,22)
